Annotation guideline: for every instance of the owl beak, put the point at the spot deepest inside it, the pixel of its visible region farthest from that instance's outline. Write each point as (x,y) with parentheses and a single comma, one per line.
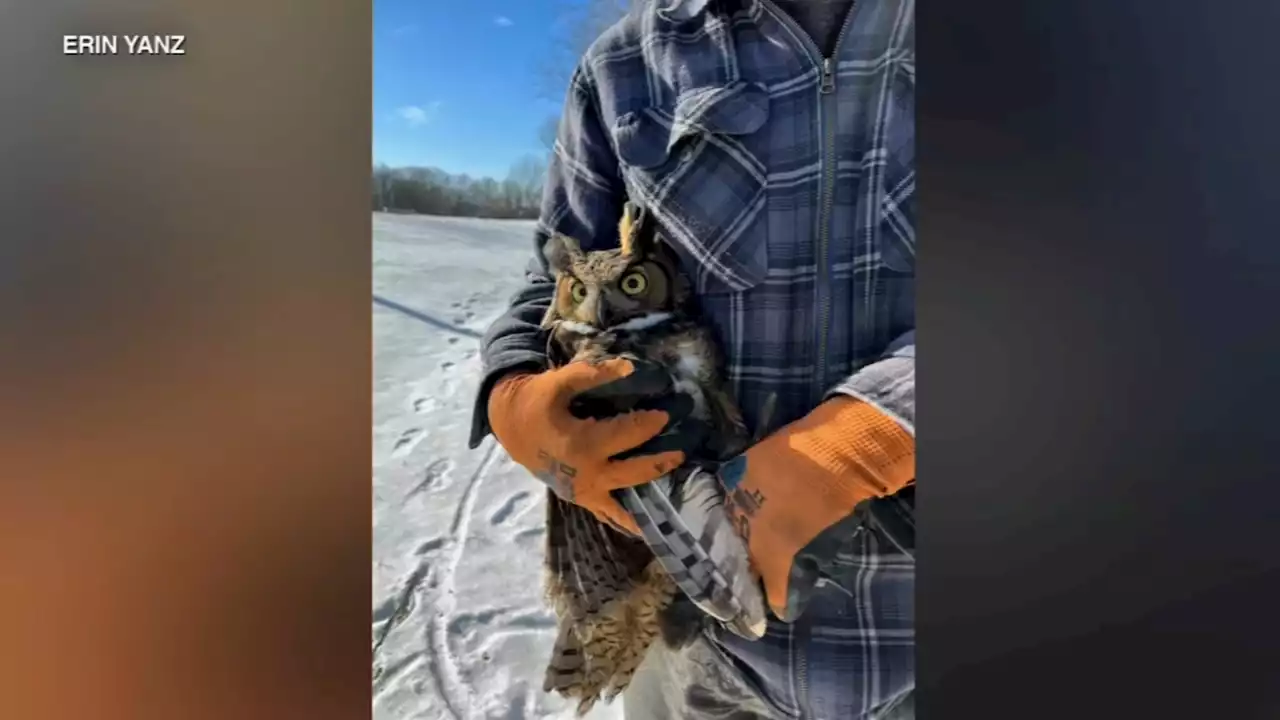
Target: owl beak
(603,316)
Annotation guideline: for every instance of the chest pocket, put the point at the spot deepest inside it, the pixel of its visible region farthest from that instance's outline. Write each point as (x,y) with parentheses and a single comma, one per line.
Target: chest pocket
(692,165)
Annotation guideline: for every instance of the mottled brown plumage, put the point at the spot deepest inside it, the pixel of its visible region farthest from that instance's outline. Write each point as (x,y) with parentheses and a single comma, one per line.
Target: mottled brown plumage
(612,597)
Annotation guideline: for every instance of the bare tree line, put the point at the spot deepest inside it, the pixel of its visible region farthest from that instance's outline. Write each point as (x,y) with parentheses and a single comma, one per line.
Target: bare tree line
(431,191)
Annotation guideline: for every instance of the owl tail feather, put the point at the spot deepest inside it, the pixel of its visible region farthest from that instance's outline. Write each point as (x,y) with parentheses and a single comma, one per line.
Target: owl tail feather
(609,594)
(594,658)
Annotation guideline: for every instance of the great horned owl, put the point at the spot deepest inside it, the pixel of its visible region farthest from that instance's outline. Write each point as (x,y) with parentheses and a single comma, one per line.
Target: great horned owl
(612,596)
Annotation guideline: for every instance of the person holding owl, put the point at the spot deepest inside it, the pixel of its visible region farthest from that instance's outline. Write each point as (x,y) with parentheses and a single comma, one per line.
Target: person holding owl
(773,143)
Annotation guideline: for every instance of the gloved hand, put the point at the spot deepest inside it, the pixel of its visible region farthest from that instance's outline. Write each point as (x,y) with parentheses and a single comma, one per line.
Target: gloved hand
(536,418)
(792,496)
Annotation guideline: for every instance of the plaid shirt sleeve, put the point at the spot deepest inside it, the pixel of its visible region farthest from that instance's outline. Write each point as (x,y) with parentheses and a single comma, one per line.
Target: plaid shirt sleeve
(889,383)
(582,197)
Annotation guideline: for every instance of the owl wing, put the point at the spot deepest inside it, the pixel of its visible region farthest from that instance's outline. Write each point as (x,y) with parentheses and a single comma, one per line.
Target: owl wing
(607,598)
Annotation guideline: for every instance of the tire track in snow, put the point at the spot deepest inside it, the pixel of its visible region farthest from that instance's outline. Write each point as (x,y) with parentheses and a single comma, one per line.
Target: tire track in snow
(444,664)
(426,318)
(398,611)
(384,675)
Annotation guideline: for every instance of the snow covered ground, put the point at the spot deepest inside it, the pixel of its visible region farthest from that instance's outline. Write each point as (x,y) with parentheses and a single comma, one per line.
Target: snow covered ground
(459,626)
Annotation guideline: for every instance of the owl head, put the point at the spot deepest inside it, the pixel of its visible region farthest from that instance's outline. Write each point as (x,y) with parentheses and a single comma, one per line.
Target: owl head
(604,288)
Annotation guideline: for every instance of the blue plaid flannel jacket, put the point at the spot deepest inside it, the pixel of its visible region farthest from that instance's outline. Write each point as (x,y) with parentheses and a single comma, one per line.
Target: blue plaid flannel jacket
(786,181)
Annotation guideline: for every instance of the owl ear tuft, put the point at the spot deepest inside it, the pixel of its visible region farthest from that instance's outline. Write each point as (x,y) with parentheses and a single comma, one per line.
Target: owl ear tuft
(637,231)
(560,252)
(627,227)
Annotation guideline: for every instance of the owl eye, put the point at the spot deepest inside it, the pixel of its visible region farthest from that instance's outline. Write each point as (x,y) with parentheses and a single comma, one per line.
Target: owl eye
(634,283)
(578,292)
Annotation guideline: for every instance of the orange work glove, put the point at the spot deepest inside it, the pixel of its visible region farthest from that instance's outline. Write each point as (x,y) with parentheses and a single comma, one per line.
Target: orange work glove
(530,415)
(805,479)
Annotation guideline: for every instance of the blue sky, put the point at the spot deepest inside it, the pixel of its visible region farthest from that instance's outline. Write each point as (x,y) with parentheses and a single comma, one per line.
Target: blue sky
(456,82)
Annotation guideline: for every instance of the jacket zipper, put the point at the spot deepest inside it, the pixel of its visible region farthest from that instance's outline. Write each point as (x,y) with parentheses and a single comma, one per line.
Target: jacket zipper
(826,98)
(826,95)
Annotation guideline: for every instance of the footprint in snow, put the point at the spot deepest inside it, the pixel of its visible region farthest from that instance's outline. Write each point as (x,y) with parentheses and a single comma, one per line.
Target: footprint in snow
(434,477)
(532,619)
(530,534)
(466,623)
(502,620)
(407,441)
(512,508)
(429,546)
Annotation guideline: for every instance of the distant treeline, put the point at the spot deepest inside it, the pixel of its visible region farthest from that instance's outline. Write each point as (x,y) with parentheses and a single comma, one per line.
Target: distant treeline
(431,191)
